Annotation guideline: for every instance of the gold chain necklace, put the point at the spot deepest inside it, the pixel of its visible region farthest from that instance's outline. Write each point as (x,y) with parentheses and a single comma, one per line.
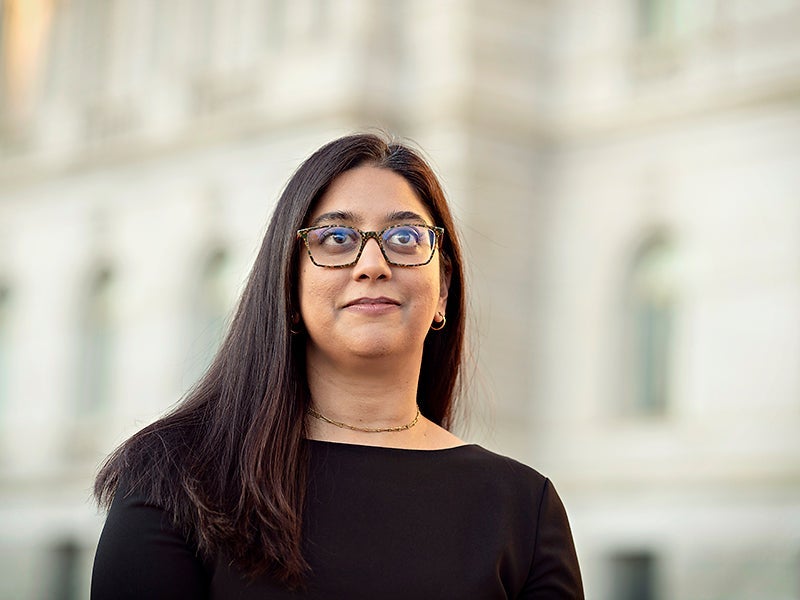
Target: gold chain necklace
(341,425)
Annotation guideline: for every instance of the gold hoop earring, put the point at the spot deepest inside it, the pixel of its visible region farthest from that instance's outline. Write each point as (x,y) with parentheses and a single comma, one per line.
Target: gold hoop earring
(441,325)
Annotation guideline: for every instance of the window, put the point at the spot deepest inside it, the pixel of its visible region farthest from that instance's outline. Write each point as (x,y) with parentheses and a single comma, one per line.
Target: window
(664,36)
(65,575)
(633,576)
(97,339)
(210,312)
(652,301)
(655,18)
(664,20)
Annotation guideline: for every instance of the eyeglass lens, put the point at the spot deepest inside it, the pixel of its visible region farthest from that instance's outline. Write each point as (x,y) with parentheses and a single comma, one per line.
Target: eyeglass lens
(403,245)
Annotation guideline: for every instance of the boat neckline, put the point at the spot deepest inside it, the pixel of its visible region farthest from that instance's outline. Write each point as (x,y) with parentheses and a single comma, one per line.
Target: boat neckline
(349,445)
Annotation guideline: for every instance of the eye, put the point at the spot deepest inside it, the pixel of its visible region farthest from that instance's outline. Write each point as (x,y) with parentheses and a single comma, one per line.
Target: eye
(405,236)
(337,236)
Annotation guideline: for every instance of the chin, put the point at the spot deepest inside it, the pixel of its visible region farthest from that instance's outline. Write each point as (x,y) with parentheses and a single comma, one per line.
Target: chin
(373,348)
(361,343)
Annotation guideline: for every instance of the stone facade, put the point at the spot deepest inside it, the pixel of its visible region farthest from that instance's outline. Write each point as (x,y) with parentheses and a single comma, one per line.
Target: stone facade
(625,176)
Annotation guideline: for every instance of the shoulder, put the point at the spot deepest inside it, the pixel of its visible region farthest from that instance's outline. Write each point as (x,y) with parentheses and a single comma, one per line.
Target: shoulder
(498,467)
(472,470)
(142,554)
(488,457)
(540,525)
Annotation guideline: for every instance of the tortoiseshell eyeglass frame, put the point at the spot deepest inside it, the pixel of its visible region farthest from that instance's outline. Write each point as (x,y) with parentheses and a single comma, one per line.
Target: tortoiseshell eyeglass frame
(302,234)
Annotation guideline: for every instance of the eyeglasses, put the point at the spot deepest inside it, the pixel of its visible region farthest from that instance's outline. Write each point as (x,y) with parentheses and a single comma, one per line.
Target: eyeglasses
(339,246)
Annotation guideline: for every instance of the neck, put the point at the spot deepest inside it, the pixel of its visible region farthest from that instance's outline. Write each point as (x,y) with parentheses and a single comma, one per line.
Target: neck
(372,394)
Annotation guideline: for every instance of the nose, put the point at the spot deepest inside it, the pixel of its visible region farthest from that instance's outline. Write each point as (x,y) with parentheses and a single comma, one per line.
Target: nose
(371,264)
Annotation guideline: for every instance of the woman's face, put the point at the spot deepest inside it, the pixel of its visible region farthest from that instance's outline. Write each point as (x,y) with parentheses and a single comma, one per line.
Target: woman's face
(371,309)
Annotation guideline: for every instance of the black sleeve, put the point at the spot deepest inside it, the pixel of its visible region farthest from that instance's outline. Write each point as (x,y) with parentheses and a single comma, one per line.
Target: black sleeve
(554,572)
(141,556)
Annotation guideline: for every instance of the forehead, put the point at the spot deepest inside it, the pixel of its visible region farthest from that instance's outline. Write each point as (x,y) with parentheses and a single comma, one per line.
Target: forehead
(371,196)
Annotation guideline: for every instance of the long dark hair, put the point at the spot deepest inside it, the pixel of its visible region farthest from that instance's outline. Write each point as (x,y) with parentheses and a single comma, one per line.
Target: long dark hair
(229,464)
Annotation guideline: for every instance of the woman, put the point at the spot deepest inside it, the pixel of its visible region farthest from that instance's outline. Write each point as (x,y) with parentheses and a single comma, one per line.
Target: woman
(313,459)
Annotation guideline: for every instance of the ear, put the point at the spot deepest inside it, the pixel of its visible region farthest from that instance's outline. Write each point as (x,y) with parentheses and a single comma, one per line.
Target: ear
(446,272)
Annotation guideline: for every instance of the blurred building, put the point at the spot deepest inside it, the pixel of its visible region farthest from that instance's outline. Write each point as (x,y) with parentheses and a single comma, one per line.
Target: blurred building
(626,177)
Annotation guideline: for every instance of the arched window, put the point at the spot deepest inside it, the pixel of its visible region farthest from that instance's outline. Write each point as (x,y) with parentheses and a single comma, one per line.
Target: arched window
(652,295)
(97,341)
(211,305)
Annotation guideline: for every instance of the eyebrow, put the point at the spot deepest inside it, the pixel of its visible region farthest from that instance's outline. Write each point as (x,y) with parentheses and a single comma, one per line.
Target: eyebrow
(346,216)
(405,215)
(334,215)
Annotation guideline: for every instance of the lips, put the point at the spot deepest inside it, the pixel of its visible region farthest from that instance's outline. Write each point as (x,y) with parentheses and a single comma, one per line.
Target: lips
(380,301)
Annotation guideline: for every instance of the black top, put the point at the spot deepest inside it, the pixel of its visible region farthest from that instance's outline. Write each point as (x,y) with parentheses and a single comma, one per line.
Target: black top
(380,523)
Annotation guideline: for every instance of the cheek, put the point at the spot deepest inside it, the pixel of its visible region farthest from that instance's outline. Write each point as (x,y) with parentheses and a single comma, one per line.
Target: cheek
(315,292)
(427,292)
